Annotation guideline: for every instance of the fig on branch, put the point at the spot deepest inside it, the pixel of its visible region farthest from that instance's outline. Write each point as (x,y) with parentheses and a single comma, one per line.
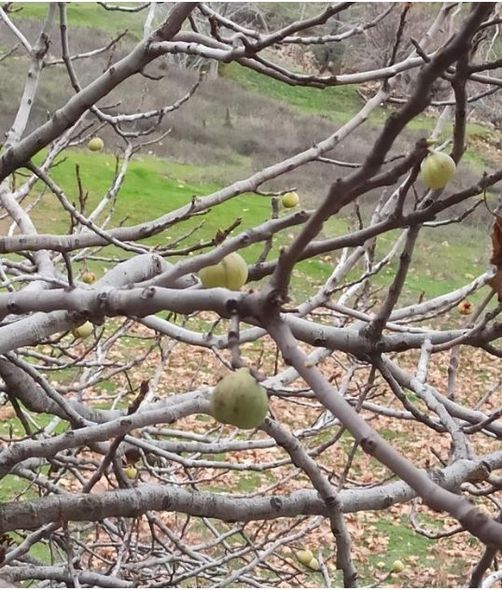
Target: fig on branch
(96,144)
(130,472)
(88,277)
(239,400)
(437,170)
(83,331)
(290,200)
(304,556)
(231,272)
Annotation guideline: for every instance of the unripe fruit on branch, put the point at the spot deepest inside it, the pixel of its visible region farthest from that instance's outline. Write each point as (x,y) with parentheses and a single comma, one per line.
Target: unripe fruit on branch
(314,564)
(95,144)
(465,307)
(290,200)
(83,331)
(437,170)
(231,272)
(239,400)
(130,472)
(304,556)
(88,277)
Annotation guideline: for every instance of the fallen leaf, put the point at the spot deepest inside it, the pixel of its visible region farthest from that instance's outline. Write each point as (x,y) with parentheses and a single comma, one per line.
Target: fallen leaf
(496,258)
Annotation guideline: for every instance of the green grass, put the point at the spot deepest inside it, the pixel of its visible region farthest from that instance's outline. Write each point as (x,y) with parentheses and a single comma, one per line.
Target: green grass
(414,550)
(154,187)
(336,103)
(42,421)
(12,486)
(340,103)
(403,543)
(89,15)
(249,482)
(472,155)
(445,258)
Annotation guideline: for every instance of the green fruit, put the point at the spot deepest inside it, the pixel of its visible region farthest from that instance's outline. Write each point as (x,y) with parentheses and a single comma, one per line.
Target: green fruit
(131,472)
(314,564)
(95,144)
(437,170)
(83,331)
(290,200)
(231,272)
(88,277)
(238,399)
(213,276)
(397,567)
(304,556)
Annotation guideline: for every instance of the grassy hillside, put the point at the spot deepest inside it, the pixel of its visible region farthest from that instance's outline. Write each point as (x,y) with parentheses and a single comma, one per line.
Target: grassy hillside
(336,103)
(339,103)
(154,186)
(86,15)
